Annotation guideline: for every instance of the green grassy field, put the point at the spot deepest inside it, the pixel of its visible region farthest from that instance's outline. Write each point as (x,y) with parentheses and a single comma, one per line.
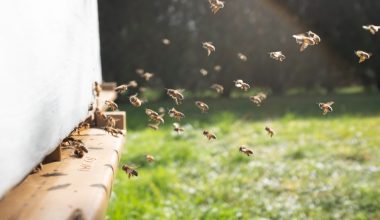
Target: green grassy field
(315,167)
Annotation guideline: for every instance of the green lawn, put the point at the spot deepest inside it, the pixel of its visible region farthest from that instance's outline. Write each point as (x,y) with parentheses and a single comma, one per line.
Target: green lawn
(315,167)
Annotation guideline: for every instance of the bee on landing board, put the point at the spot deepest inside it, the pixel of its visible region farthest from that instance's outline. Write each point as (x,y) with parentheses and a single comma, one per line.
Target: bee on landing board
(326,107)
(97,89)
(270,131)
(202,106)
(209,135)
(245,150)
(373,29)
(79,151)
(113,131)
(278,55)
(216,5)
(177,128)
(209,47)
(111,105)
(135,101)
(242,85)
(121,89)
(110,122)
(149,158)
(176,114)
(131,171)
(218,88)
(362,55)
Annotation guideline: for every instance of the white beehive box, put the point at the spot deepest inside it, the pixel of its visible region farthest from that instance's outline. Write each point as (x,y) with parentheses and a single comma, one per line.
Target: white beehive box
(49,58)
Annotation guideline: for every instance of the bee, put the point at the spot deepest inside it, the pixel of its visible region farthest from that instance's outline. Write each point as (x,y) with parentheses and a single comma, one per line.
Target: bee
(161,110)
(90,107)
(209,135)
(241,85)
(371,28)
(176,95)
(140,71)
(277,56)
(111,122)
(270,131)
(147,76)
(177,128)
(100,114)
(79,151)
(216,5)
(154,126)
(166,41)
(307,39)
(202,106)
(245,150)
(113,131)
(70,141)
(97,89)
(131,171)
(362,55)
(81,126)
(326,107)
(149,158)
(112,105)
(203,72)
(209,47)
(176,114)
(218,88)
(217,68)
(242,57)
(136,102)
(257,99)
(154,116)
(132,84)
(121,89)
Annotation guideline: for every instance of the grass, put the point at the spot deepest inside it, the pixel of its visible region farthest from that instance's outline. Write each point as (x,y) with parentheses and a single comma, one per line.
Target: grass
(315,167)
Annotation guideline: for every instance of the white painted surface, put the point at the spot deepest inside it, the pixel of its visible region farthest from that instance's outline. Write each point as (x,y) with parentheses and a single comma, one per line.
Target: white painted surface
(49,57)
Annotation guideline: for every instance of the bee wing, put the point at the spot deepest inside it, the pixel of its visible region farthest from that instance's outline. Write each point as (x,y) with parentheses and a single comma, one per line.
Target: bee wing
(330,103)
(304,46)
(175,125)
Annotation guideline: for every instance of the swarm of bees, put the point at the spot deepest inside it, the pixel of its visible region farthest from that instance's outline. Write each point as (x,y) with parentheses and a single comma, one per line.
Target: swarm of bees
(242,85)
(209,47)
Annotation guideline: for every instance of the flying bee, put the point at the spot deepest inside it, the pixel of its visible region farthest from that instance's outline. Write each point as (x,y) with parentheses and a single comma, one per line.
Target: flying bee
(277,56)
(153,126)
(202,106)
(161,110)
(270,131)
(147,76)
(97,89)
(314,36)
(242,57)
(326,107)
(217,68)
(136,102)
(149,158)
(176,95)
(131,171)
(112,105)
(203,72)
(218,88)
(150,112)
(258,99)
(242,85)
(371,28)
(111,122)
(216,5)
(121,89)
(209,135)
(132,84)
(309,38)
(113,131)
(362,55)
(100,114)
(154,116)
(209,47)
(176,114)
(177,128)
(140,71)
(245,150)
(166,41)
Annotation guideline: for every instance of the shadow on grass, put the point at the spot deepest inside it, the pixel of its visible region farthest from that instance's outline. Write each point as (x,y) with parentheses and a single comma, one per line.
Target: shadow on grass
(286,107)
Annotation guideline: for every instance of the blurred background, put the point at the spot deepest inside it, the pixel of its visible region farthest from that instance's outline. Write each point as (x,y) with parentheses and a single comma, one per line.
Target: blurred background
(315,167)
(132,33)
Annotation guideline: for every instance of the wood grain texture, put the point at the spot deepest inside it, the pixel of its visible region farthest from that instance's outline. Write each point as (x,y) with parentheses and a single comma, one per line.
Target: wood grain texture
(49,58)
